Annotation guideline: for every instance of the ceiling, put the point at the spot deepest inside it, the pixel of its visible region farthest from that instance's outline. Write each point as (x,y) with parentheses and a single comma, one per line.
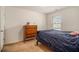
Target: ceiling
(43,9)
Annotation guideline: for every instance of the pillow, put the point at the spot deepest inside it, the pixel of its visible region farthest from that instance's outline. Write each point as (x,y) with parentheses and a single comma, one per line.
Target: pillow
(74,33)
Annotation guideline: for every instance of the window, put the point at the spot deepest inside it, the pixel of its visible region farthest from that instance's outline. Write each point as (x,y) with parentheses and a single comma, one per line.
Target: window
(57,22)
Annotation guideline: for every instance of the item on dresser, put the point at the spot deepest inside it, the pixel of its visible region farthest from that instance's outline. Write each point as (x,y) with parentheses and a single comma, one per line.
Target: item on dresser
(29,32)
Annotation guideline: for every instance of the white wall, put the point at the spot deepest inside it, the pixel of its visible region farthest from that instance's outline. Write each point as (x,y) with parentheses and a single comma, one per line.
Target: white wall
(70,17)
(16,18)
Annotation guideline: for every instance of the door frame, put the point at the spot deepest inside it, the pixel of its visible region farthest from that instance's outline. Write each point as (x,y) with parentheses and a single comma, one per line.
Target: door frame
(2,27)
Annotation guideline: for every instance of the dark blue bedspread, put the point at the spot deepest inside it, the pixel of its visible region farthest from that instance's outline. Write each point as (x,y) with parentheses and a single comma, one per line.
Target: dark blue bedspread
(59,40)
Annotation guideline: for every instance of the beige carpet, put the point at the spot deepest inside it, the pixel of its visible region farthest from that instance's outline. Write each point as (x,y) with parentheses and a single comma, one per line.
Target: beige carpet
(28,46)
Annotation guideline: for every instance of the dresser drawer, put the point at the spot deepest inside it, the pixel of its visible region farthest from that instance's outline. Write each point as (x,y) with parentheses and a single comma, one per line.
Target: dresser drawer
(31,35)
(31,27)
(31,31)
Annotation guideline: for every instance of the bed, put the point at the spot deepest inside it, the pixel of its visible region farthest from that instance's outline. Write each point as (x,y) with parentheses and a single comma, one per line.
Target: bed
(59,41)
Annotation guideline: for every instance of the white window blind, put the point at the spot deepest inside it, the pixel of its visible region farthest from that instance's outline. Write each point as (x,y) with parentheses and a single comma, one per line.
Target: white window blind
(57,20)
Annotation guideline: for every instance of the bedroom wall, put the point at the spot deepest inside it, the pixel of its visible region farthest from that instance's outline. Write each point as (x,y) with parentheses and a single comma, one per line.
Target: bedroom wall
(70,18)
(16,18)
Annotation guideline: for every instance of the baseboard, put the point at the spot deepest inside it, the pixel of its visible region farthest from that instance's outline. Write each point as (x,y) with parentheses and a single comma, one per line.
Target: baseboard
(15,42)
(12,43)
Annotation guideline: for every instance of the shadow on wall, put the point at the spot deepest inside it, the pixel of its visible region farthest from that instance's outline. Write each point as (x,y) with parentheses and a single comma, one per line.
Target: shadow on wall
(14,34)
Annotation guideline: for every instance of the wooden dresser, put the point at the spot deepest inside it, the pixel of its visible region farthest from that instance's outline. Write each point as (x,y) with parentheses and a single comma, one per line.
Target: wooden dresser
(29,32)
